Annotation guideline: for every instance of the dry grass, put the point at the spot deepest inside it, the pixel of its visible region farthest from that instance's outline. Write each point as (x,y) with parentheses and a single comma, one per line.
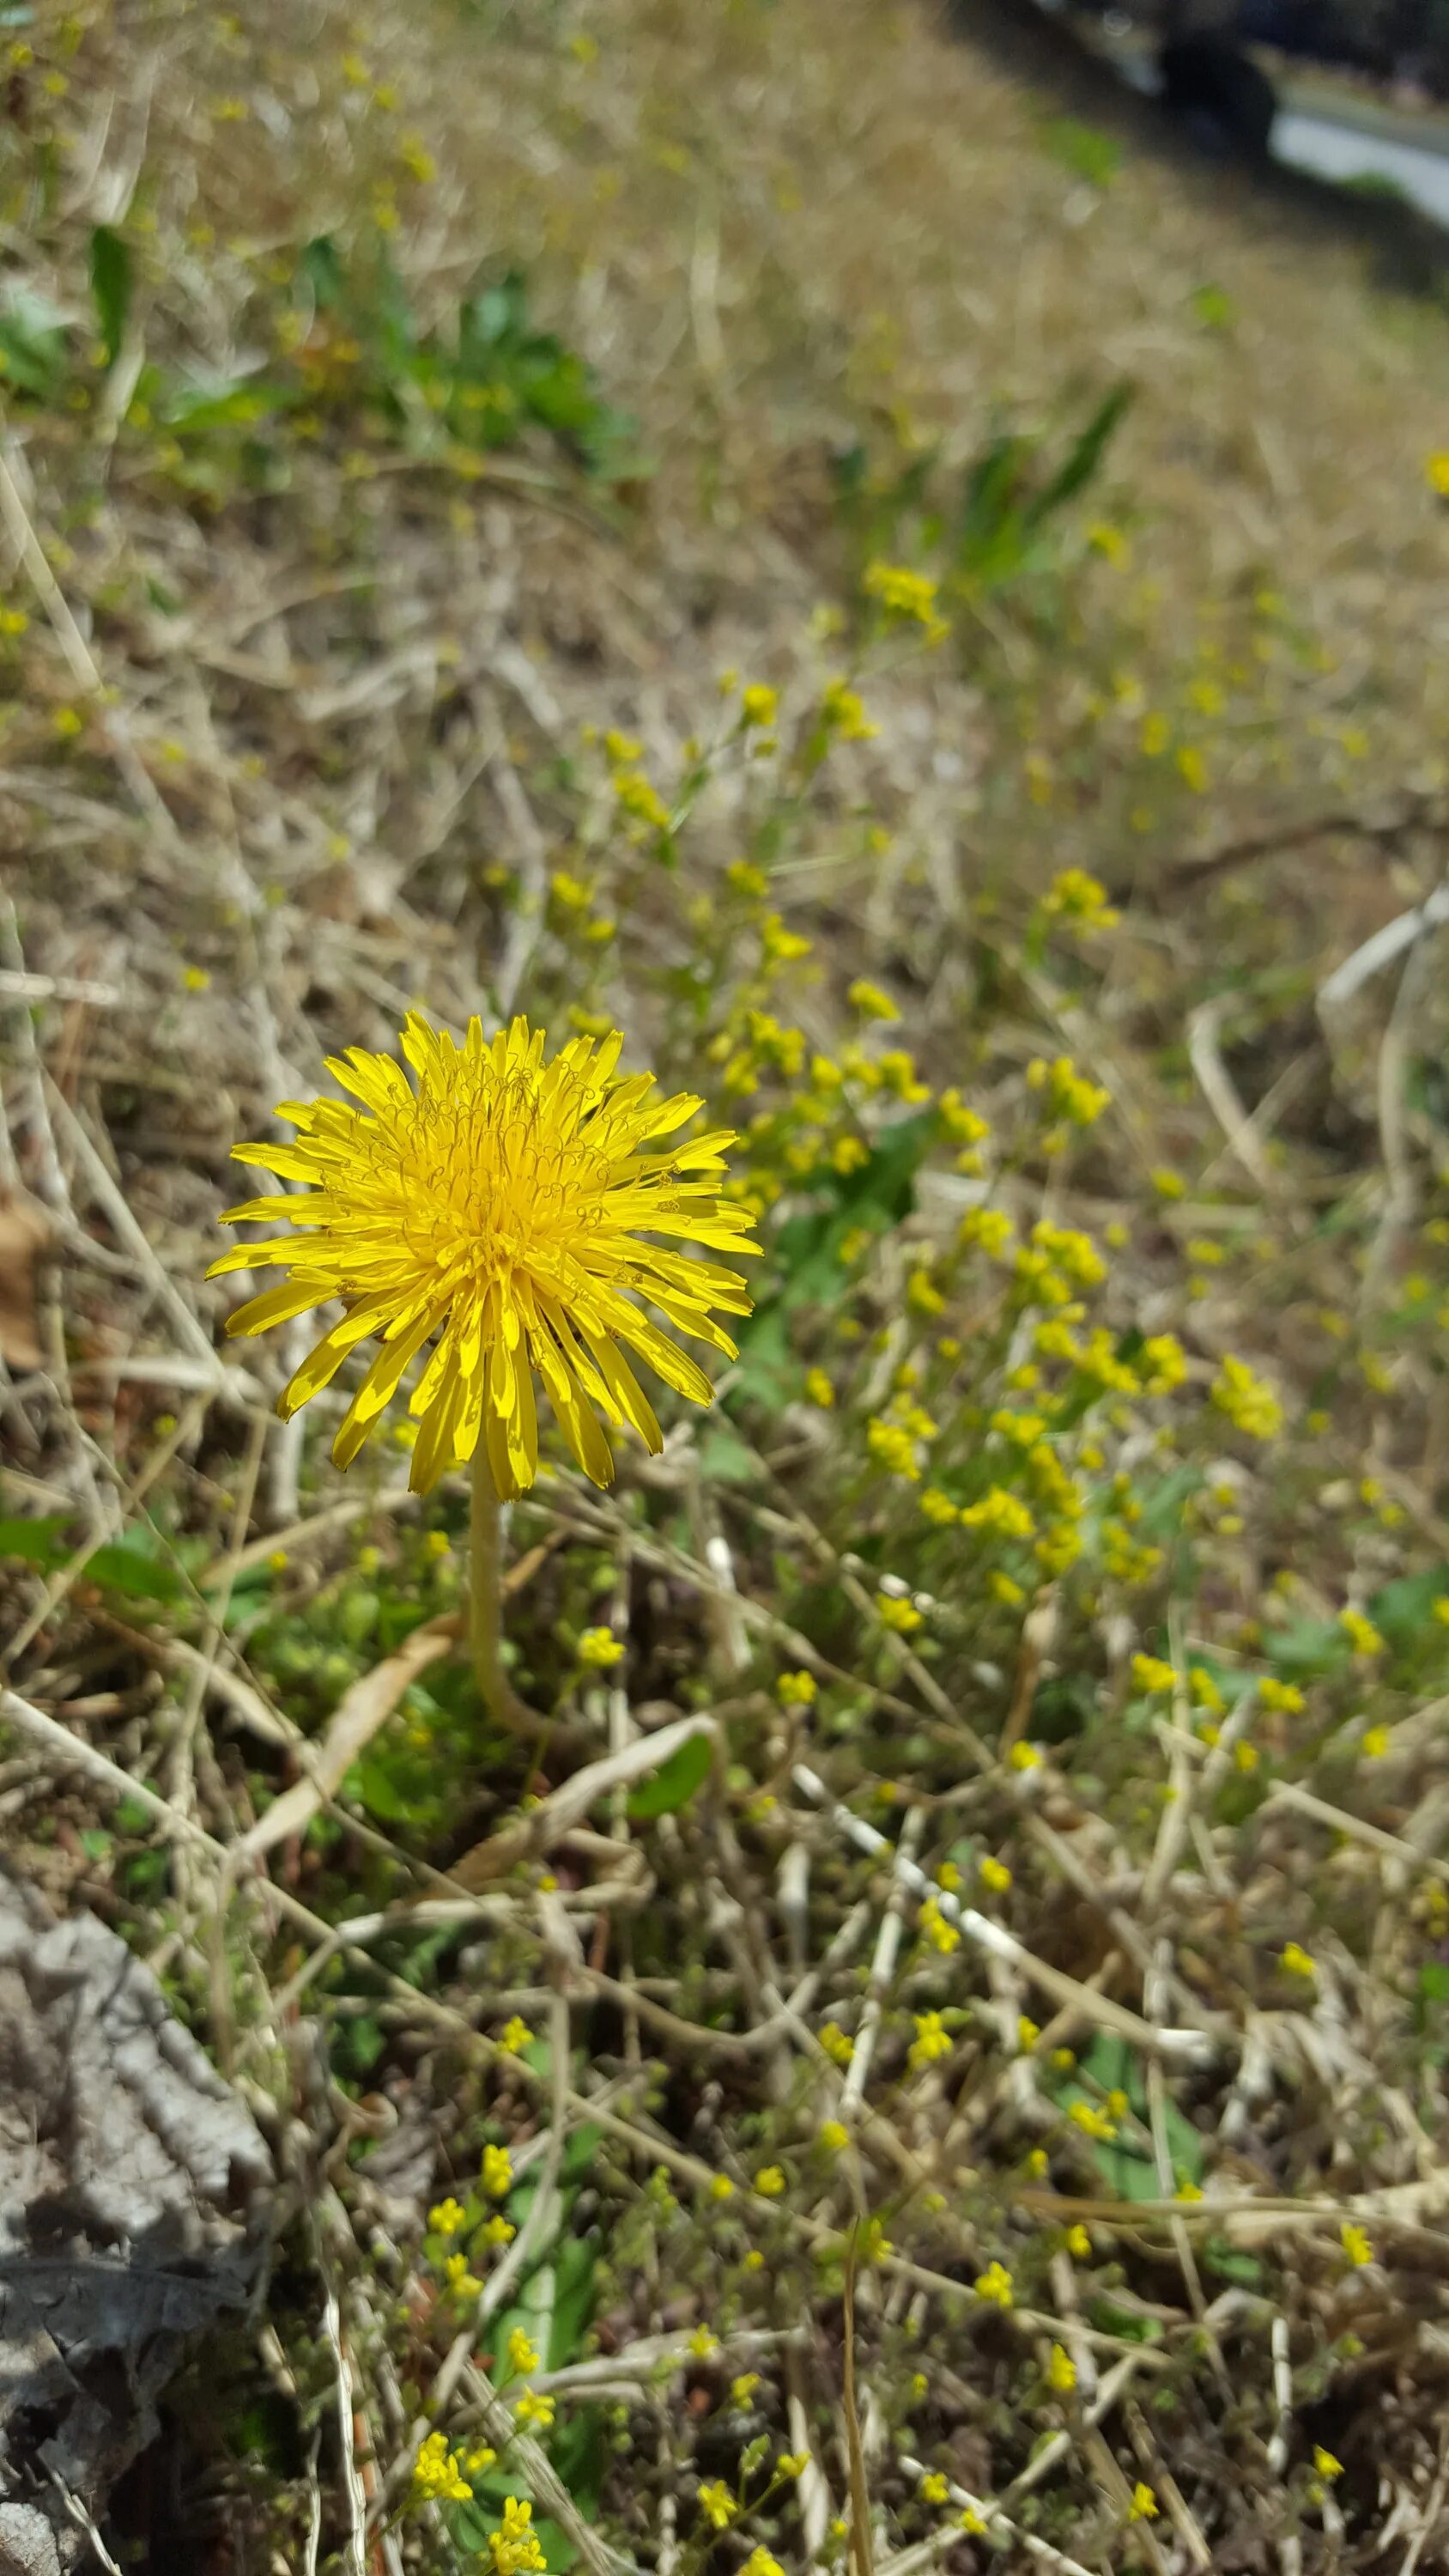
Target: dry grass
(292,739)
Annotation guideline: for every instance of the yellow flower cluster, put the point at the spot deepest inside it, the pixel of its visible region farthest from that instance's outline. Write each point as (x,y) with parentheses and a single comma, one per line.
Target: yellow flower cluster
(909,596)
(1066,1093)
(1250,1403)
(438,2473)
(1077,897)
(515,2548)
(932,2040)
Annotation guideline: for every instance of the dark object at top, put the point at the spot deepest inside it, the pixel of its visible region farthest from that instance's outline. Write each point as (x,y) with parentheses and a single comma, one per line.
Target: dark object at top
(133,2194)
(1220,95)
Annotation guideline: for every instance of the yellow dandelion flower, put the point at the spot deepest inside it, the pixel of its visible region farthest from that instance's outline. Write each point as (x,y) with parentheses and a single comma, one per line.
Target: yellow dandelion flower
(496,1205)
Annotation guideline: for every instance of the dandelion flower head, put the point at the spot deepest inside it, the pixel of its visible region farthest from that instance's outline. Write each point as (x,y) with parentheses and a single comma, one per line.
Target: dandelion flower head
(498,1203)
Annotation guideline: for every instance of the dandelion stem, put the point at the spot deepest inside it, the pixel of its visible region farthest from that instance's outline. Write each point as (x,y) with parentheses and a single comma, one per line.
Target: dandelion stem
(485,1592)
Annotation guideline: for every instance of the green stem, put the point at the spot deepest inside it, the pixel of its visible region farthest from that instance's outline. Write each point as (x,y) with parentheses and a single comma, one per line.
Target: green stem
(485,1591)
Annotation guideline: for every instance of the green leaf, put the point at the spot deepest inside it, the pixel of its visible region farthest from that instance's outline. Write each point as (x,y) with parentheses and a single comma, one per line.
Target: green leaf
(1404,1611)
(121,1566)
(34,345)
(110,286)
(675,1781)
(39,1542)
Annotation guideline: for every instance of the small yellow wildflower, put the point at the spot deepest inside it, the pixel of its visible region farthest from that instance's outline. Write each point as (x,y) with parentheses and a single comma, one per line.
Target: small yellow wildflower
(995,1875)
(717,2504)
(934,2489)
(843,709)
(1356,2242)
(994,2285)
(792,2464)
(497,2172)
(943,1936)
(1076,896)
(1361,1633)
(533,2410)
(1436,472)
(1325,2463)
(721,2188)
(1248,1401)
(1286,1697)
(462,2284)
(837,2044)
(973,2522)
(1079,2243)
(932,2040)
(196,979)
(600,1649)
(897,1614)
(516,2550)
(759,705)
(819,1390)
(1143,2507)
(1092,2122)
(769,2182)
(1024,1756)
(499,2231)
(1375,1742)
(437,2472)
(834,2137)
(1028,2032)
(1066,1093)
(1188,2190)
(870,1001)
(760,2563)
(1061,2370)
(703,2342)
(514,2035)
(797,1690)
(522,2355)
(1297,1960)
(938,1507)
(446,2217)
(902,593)
(1152,1673)
(743,2388)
